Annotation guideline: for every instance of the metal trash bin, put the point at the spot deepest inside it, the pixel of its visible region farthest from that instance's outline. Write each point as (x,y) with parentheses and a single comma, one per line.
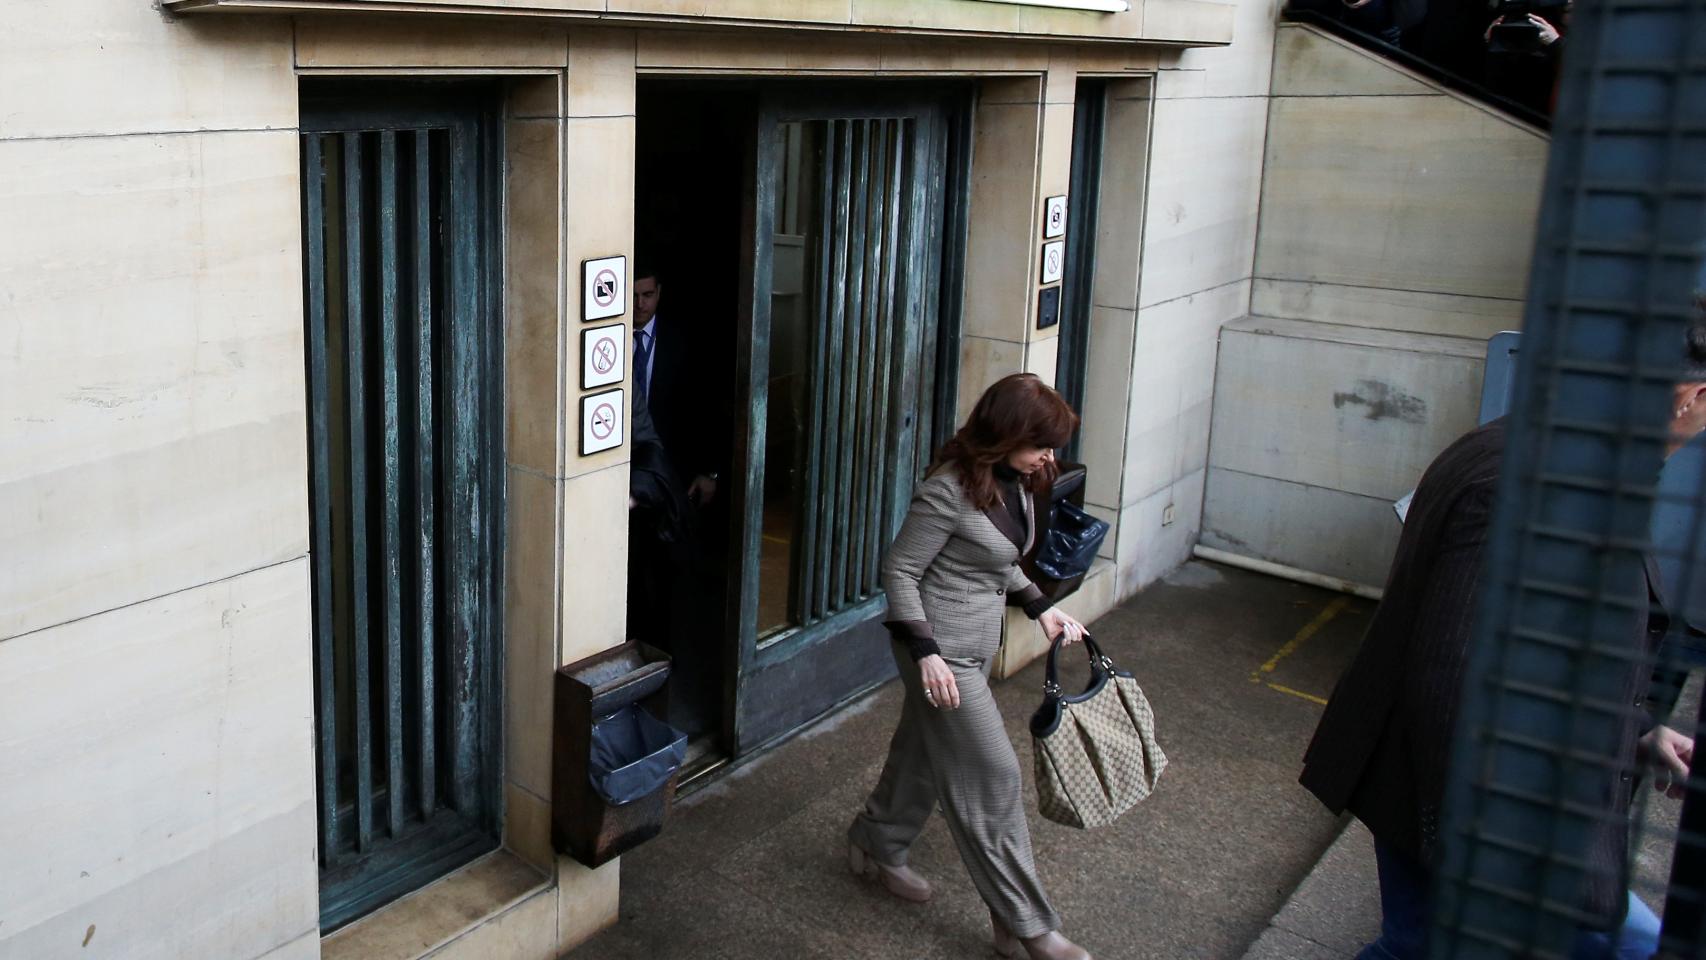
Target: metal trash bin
(614,762)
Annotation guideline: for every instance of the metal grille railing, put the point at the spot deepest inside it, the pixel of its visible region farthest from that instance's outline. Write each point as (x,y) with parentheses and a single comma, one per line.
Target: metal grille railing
(1560,664)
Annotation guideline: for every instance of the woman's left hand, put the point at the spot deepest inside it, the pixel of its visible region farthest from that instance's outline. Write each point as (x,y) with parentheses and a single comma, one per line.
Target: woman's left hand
(1056,623)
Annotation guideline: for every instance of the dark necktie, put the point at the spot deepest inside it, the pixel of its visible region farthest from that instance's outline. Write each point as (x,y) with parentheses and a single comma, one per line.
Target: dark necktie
(642,361)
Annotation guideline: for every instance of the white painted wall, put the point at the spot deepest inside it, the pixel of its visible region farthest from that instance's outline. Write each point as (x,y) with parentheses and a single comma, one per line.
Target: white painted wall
(156,780)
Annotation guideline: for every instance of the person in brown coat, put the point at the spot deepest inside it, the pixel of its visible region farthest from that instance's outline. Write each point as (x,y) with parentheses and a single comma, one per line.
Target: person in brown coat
(1382,747)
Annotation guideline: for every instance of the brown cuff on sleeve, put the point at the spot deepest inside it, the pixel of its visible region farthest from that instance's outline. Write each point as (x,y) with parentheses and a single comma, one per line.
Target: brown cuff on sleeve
(917,636)
(1033,601)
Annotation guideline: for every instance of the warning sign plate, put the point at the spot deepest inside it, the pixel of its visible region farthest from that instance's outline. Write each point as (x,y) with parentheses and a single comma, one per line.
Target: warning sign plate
(604,288)
(602,355)
(601,421)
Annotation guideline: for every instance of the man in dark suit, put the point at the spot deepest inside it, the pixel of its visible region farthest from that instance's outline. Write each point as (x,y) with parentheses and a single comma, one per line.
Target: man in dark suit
(1382,747)
(672,564)
(670,371)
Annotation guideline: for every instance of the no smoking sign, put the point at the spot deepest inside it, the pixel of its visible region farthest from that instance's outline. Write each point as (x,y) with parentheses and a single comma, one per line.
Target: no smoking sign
(601,421)
(602,355)
(604,288)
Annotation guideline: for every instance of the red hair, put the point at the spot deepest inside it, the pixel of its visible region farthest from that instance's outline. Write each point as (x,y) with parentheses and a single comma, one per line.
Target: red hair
(1019,410)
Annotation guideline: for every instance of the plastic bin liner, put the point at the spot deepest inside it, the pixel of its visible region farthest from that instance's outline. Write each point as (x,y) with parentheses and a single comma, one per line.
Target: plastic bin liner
(633,754)
(1072,542)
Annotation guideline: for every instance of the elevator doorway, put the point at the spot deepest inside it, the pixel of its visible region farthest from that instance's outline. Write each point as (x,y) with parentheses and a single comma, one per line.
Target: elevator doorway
(806,240)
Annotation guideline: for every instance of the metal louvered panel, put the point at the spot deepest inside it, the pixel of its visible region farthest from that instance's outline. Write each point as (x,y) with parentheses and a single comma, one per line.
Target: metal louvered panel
(402,396)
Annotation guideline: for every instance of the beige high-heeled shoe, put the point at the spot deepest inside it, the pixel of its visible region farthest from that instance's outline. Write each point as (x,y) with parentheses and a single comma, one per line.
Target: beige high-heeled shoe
(1049,946)
(902,881)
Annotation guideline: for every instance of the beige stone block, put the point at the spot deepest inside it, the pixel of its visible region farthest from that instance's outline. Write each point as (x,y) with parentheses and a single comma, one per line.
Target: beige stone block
(1446,314)
(1055,173)
(1042,356)
(1171,385)
(904,54)
(531,624)
(1242,69)
(970,16)
(526,931)
(595,563)
(100,67)
(587,900)
(600,195)
(1188,21)
(601,73)
(535,354)
(1110,516)
(346,42)
(305,947)
(434,920)
(752,51)
(1427,194)
(1149,547)
(1001,255)
(1060,83)
(1181,83)
(1341,408)
(1108,385)
(1113,60)
(795,11)
(982,362)
(527,826)
(196,710)
(1204,189)
(1023,90)
(1125,182)
(535,96)
(153,381)
(1309,63)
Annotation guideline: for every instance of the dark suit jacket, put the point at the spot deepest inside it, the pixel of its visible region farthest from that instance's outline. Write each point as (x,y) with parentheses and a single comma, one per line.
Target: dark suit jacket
(1383,744)
(689,398)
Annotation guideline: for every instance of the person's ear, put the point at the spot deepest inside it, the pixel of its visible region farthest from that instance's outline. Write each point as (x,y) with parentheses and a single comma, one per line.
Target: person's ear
(1688,395)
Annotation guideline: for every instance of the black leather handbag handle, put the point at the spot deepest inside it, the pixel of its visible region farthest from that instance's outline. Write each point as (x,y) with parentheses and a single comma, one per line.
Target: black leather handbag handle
(1099,663)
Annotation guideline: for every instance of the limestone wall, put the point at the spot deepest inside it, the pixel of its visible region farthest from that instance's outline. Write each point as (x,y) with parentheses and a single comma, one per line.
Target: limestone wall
(156,775)
(1397,221)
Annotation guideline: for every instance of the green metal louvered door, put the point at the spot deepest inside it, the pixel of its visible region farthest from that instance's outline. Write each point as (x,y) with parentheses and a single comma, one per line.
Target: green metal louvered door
(403,399)
(840,364)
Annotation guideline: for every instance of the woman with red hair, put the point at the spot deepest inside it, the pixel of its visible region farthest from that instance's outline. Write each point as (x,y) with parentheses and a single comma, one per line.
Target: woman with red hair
(952,568)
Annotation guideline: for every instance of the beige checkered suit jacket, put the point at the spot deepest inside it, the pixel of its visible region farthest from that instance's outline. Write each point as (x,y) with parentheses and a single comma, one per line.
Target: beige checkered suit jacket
(953,567)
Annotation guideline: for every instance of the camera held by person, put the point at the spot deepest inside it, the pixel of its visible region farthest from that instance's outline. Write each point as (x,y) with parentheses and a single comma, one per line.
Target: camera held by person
(1524,26)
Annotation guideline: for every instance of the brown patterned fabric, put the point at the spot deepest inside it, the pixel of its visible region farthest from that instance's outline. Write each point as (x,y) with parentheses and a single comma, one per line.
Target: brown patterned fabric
(952,570)
(1101,759)
(949,575)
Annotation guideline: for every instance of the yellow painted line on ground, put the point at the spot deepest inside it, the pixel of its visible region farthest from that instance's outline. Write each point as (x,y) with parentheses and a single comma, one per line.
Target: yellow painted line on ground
(1310,629)
(774,539)
(1312,698)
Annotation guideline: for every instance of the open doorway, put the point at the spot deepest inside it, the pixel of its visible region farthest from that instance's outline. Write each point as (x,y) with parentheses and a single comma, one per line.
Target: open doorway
(691,192)
(800,239)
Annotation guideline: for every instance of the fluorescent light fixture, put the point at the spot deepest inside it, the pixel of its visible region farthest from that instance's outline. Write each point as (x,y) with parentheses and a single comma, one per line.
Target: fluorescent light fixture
(1098,6)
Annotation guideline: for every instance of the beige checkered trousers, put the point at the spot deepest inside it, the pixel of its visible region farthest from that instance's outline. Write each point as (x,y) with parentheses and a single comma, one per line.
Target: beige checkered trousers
(952,567)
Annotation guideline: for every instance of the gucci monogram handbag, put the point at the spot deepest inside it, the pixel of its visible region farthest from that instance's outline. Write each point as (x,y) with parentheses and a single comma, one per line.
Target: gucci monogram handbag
(1096,754)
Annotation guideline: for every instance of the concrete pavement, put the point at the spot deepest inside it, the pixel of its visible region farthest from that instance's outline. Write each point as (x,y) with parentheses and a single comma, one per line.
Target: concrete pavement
(753,865)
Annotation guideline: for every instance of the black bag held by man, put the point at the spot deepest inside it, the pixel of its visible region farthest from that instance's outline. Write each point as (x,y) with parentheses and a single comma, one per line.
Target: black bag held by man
(1069,547)
(633,754)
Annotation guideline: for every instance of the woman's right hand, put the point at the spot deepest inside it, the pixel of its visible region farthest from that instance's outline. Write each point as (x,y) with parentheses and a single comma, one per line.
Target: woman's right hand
(940,690)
